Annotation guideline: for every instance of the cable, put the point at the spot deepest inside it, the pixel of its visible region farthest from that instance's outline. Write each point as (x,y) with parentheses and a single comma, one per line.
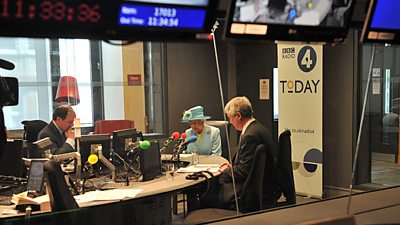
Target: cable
(214,28)
(360,127)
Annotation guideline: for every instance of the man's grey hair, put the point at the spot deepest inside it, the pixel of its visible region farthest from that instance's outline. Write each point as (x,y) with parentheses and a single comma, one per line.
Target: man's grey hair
(239,104)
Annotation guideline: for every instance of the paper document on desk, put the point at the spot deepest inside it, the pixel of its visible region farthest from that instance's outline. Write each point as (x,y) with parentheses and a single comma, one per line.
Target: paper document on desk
(108,195)
(213,168)
(23,199)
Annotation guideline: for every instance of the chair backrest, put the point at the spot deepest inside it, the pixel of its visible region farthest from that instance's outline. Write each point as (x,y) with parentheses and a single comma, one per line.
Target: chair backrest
(32,129)
(61,198)
(284,169)
(108,126)
(224,136)
(251,196)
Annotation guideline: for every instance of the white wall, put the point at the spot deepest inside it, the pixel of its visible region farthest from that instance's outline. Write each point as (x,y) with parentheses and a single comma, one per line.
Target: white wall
(113,83)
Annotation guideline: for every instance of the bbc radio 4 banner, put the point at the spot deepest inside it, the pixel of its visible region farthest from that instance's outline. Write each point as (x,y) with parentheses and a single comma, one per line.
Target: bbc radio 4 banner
(300,111)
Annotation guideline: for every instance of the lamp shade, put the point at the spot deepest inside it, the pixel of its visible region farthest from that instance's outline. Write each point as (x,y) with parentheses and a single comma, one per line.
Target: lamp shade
(67,90)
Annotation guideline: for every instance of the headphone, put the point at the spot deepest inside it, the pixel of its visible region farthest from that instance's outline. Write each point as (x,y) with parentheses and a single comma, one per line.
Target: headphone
(197,175)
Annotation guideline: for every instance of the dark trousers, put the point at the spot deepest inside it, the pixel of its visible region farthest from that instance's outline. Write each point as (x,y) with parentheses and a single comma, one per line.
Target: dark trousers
(219,195)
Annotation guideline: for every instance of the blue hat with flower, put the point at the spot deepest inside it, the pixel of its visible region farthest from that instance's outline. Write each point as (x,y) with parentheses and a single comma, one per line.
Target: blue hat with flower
(195,113)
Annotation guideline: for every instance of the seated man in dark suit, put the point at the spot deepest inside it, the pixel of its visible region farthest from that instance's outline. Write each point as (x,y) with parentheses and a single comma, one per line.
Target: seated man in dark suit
(60,131)
(253,133)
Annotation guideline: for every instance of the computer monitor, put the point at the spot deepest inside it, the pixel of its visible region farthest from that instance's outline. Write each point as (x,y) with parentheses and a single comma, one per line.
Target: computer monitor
(121,139)
(150,161)
(90,143)
(382,23)
(11,163)
(309,21)
(35,177)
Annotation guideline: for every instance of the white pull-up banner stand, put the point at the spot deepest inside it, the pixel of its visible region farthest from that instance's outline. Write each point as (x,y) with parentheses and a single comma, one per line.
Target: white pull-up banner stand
(300,111)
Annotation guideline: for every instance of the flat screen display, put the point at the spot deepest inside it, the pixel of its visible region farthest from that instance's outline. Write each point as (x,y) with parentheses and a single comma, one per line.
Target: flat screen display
(155,16)
(150,161)
(89,144)
(382,24)
(301,20)
(105,19)
(36,176)
(121,139)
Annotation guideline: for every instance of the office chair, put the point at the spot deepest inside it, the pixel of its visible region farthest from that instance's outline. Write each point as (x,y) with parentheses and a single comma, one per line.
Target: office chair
(284,169)
(61,198)
(108,126)
(32,129)
(250,199)
(224,141)
(220,124)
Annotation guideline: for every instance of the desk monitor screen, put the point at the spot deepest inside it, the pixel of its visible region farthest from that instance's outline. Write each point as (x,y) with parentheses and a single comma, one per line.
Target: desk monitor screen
(121,139)
(11,163)
(36,176)
(302,20)
(89,143)
(382,24)
(150,161)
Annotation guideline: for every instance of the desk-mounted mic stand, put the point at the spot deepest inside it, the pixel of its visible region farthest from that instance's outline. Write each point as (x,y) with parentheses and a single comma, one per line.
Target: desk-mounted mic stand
(70,155)
(99,152)
(126,165)
(176,155)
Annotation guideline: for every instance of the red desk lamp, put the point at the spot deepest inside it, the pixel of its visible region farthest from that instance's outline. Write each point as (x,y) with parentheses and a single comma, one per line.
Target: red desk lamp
(67,90)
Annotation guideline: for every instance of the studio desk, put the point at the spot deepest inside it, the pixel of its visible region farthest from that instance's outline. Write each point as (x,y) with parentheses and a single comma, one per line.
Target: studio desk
(150,206)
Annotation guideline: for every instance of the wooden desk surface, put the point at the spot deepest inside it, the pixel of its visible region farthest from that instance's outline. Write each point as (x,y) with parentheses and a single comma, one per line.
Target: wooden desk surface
(158,186)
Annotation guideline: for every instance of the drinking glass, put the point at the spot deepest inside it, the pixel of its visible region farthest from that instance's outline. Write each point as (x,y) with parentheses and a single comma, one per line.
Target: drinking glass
(169,171)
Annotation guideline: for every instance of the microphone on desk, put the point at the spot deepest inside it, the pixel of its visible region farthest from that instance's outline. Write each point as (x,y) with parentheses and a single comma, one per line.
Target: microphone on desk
(88,169)
(174,136)
(92,159)
(183,145)
(134,146)
(181,139)
(179,142)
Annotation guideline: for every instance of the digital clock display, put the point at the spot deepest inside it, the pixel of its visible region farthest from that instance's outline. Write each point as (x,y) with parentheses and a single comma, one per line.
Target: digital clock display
(157,16)
(105,19)
(50,11)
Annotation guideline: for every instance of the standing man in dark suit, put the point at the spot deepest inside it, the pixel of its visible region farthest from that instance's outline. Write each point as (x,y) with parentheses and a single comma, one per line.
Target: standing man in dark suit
(240,113)
(60,131)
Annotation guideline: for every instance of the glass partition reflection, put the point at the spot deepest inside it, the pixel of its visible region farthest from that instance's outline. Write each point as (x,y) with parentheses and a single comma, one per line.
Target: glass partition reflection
(382,116)
(112,81)
(129,82)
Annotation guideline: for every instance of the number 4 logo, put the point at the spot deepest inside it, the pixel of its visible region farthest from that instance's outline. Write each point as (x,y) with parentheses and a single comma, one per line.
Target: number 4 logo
(307,59)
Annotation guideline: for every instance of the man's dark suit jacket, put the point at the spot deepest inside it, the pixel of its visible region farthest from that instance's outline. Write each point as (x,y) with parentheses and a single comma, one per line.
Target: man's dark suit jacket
(254,135)
(57,138)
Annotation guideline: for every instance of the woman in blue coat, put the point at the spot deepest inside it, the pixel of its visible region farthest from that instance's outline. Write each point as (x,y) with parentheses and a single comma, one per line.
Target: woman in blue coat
(208,137)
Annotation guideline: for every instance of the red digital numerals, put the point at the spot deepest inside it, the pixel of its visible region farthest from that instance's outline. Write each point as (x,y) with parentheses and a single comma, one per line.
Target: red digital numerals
(50,11)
